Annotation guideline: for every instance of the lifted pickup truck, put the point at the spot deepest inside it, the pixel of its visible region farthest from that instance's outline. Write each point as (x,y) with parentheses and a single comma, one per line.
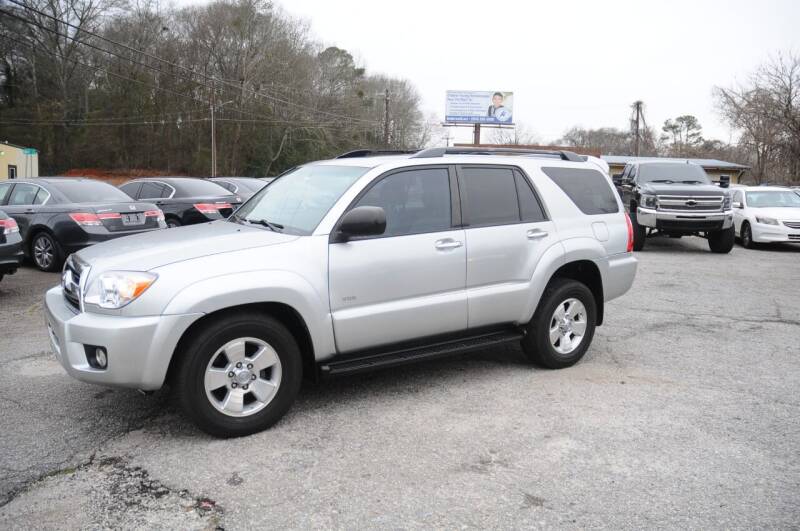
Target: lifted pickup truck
(676,199)
(348,265)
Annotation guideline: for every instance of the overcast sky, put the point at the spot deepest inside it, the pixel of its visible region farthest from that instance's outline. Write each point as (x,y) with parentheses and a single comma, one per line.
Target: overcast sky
(568,62)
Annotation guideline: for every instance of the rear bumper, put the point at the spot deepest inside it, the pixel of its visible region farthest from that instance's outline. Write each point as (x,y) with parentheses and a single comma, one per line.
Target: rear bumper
(684,221)
(618,274)
(774,233)
(77,240)
(11,255)
(139,349)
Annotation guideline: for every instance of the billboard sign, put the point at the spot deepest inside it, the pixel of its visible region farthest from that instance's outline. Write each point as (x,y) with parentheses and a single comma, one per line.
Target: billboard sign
(479,107)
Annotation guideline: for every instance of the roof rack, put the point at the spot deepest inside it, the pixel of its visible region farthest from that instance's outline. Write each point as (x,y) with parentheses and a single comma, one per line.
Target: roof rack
(356,153)
(440,152)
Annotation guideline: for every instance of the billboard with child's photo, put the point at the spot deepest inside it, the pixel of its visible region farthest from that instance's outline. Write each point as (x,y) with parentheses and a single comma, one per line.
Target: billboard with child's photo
(479,107)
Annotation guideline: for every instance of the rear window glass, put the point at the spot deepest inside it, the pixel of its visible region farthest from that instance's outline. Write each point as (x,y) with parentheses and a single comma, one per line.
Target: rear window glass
(198,187)
(588,189)
(90,192)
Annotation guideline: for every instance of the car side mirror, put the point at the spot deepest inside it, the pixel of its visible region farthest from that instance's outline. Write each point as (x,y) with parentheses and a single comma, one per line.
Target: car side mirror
(361,221)
(617,179)
(737,204)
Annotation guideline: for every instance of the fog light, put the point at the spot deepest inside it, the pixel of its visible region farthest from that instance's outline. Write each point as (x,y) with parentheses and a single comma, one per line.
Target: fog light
(100,356)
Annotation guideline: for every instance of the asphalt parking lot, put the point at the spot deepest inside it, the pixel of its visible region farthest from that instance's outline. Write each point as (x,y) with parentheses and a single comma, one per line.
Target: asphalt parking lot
(684,413)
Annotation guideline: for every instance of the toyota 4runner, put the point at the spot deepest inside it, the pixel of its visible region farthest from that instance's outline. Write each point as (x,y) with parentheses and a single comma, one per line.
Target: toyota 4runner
(676,199)
(346,265)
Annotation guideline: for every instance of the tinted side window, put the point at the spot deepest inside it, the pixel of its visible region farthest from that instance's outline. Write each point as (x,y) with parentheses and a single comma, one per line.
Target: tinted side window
(41,196)
(4,189)
(131,189)
(488,195)
(151,190)
(529,207)
(415,201)
(588,189)
(23,194)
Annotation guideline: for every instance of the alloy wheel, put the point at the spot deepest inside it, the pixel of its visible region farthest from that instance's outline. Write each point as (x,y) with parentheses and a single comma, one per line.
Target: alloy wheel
(43,252)
(243,377)
(568,326)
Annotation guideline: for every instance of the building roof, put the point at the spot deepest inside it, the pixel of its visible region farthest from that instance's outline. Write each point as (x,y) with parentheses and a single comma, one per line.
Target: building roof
(705,163)
(7,143)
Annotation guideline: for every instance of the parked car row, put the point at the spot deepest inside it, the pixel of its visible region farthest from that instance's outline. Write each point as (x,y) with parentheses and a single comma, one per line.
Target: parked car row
(54,217)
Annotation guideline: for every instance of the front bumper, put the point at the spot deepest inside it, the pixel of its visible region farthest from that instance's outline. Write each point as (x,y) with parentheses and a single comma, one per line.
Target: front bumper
(764,233)
(139,349)
(684,221)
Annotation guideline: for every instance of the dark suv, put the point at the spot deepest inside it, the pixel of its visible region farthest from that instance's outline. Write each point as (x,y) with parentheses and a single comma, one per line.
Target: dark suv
(676,199)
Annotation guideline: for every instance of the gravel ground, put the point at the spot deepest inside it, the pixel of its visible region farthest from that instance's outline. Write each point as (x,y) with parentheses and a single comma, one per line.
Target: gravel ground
(684,413)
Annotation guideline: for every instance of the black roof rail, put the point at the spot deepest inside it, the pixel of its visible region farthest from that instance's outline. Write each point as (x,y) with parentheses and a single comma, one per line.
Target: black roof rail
(440,152)
(356,153)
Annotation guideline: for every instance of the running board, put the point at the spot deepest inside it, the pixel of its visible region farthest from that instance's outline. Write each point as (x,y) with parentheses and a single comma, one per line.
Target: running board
(440,349)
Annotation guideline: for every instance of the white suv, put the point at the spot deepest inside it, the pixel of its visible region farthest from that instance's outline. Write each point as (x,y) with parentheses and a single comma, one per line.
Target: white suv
(766,214)
(345,265)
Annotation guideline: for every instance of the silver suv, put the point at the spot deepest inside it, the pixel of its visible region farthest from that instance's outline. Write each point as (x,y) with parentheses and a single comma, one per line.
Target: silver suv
(346,265)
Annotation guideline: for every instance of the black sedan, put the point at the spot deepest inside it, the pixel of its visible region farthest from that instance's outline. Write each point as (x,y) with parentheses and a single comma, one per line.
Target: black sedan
(10,245)
(245,187)
(58,216)
(184,200)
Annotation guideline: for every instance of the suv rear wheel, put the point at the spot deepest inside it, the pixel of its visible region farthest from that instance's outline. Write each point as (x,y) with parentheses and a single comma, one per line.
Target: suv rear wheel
(563,326)
(721,241)
(239,374)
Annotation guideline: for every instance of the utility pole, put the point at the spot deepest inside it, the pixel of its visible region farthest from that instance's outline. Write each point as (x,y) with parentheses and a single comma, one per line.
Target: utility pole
(386,119)
(637,123)
(476,134)
(213,140)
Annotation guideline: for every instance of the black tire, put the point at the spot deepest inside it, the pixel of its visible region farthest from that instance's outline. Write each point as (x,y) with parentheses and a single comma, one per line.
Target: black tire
(721,241)
(173,222)
(639,232)
(537,345)
(747,236)
(46,253)
(196,354)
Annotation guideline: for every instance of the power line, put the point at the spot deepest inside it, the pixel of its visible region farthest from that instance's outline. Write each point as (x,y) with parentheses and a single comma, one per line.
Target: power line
(189,70)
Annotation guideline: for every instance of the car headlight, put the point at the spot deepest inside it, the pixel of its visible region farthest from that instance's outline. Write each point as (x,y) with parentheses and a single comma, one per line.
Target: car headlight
(115,289)
(726,203)
(649,201)
(766,221)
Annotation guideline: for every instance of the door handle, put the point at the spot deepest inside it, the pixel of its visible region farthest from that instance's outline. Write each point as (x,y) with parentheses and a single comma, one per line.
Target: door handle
(448,243)
(30,211)
(535,234)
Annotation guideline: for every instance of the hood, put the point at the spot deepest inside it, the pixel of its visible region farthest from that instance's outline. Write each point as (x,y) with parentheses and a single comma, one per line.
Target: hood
(147,251)
(779,213)
(683,189)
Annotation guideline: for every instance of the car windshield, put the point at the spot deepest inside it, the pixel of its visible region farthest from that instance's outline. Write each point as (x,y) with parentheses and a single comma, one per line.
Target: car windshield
(298,201)
(86,191)
(773,198)
(672,172)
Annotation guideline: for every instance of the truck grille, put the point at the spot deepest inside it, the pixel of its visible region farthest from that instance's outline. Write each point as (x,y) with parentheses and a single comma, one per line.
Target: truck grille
(71,282)
(682,203)
(792,224)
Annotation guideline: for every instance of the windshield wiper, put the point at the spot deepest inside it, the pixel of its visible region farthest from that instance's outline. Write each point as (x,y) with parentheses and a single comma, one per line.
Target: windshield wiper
(692,182)
(274,227)
(667,181)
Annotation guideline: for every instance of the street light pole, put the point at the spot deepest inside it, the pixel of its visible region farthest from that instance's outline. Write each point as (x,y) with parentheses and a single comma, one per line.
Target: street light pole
(214,136)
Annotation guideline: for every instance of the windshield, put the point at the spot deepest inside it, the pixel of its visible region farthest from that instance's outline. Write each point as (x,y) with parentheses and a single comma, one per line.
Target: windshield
(672,172)
(773,198)
(90,192)
(298,201)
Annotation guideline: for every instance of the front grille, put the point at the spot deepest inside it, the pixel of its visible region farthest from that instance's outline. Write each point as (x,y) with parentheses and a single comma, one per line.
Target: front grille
(792,224)
(71,282)
(794,237)
(682,203)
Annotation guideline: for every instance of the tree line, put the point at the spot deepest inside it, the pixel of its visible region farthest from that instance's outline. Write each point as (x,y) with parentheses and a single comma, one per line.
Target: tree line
(105,83)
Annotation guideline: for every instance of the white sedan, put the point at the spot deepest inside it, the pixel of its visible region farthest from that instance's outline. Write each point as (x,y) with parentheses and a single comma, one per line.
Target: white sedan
(763,214)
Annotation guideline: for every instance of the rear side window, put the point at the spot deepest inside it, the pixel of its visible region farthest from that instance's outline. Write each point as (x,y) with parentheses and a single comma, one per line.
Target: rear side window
(23,194)
(131,188)
(4,189)
(529,207)
(152,190)
(489,196)
(588,189)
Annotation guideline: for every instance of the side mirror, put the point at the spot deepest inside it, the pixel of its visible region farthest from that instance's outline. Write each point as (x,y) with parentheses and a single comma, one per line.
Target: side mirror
(361,221)
(617,179)
(724,181)
(737,204)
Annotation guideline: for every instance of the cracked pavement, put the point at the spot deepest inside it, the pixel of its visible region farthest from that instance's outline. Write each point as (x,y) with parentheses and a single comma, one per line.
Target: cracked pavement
(684,413)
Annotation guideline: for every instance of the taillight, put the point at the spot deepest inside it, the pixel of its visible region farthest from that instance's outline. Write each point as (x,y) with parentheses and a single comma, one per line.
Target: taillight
(159,215)
(630,232)
(211,208)
(9,226)
(86,219)
(109,215)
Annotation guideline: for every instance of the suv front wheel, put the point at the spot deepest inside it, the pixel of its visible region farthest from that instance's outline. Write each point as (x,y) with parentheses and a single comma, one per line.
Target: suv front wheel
(563,326)
(238,374)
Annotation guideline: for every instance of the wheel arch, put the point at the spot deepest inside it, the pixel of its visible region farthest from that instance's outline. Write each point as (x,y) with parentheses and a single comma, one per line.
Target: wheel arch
(586,272)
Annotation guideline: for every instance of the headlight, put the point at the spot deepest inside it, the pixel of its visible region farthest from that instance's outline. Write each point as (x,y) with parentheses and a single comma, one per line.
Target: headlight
(649,201)
(726,203)
(766,221)
(115,289)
